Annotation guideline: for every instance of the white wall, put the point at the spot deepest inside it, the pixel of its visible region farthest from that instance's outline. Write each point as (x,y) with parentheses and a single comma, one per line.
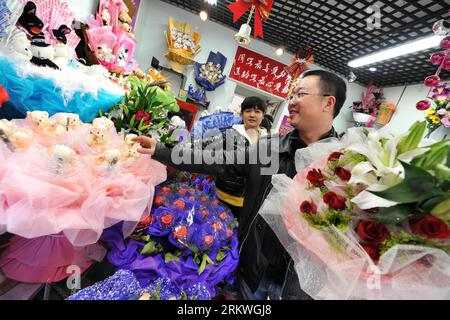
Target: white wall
(406,113)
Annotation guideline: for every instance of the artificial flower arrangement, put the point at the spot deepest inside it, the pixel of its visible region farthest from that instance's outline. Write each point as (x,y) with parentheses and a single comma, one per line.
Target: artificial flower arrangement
(123,285)
(365,111)
(188,237)
(370,214)
(437,108)
(144,110)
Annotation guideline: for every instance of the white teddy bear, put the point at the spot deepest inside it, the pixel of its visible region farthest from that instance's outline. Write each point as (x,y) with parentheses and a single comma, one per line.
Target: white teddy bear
(38,118)
(97,135)
(63,155)
(103,121)
(62,55)
(71,120)
(20,46)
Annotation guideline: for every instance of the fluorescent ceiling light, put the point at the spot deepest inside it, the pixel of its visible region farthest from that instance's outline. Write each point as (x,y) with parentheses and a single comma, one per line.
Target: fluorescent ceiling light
(419,45)
(373,69)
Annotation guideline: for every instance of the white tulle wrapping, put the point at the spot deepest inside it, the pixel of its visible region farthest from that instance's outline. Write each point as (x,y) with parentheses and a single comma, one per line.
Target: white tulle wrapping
(403,272)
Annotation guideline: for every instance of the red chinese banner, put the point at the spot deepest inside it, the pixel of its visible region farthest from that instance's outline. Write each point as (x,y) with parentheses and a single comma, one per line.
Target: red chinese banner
(261,72)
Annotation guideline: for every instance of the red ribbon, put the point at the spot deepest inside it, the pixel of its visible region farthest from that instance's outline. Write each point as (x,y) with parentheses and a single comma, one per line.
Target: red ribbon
(300,62)
(262,10)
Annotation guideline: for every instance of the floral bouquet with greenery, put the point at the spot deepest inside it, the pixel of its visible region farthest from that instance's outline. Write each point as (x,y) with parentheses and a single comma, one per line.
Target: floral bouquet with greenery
(369,214)
(144,110)
(437,109)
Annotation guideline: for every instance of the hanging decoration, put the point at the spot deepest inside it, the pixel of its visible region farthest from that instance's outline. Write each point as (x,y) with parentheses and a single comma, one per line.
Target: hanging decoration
(210,74)
(300,62)
(262,8)
(182,45)
(437,108)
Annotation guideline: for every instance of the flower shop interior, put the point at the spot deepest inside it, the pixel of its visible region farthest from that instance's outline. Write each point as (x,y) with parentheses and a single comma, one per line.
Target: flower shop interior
(95,218)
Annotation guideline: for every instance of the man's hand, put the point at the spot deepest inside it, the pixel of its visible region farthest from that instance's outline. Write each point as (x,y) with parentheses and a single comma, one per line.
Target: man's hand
(148,145)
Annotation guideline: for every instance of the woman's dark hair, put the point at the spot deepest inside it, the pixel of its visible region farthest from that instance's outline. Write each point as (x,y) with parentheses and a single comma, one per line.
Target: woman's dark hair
(331,85)
(253,102)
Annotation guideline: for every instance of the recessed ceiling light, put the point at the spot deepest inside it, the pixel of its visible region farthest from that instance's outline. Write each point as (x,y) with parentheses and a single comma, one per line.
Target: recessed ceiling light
(279,51)
(373,69)
(418,45)
(203,15)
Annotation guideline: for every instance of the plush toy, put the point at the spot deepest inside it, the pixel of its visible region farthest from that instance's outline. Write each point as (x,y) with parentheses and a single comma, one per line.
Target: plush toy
(22,138)
(62,52)
(108,159)
(38,118)
(54,128)
(68,120)
(131,154)
(43,53)
(97,136)
(129,139)
(103,121)
(29,21)
(63,155)
(102,42)
(177,122)
(20,46)
(7,127)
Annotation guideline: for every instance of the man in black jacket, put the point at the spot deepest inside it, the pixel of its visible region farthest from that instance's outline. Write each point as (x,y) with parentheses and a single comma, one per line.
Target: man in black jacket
(266,270)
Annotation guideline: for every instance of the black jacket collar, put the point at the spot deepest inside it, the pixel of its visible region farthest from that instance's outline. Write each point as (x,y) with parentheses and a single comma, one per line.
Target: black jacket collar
(291,142)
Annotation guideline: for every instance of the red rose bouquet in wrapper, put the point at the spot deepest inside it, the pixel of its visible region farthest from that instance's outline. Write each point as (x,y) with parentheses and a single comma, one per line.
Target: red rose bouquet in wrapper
(367,217)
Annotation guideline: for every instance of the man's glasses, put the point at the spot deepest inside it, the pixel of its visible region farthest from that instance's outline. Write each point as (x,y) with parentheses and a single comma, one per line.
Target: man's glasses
(301,95)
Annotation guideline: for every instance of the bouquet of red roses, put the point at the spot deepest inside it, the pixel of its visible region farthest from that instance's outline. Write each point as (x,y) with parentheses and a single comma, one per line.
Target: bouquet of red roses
(367,217)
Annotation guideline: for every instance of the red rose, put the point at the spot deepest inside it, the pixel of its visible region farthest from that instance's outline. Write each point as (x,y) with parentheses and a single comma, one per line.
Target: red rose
(342,173)
(335,156)
(166,190)
(208,240)
(200,186)
(205,213)
(430,227)
(180,232)
(140,114)
(183,191)
(180,204)
(334,201)
(217,227)
(308,207)
(372,231)
(166,219)
(147,116)
(316,178)
(159,200)
(146,222)
(223,216)
(374,252)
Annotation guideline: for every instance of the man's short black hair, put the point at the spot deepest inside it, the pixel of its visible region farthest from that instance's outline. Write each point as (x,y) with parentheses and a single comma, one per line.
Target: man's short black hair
(253,102)
(331,85)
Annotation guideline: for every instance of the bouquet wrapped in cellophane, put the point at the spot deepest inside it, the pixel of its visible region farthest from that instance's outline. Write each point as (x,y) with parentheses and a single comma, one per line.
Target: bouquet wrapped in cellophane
(182,45)
(366,217)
